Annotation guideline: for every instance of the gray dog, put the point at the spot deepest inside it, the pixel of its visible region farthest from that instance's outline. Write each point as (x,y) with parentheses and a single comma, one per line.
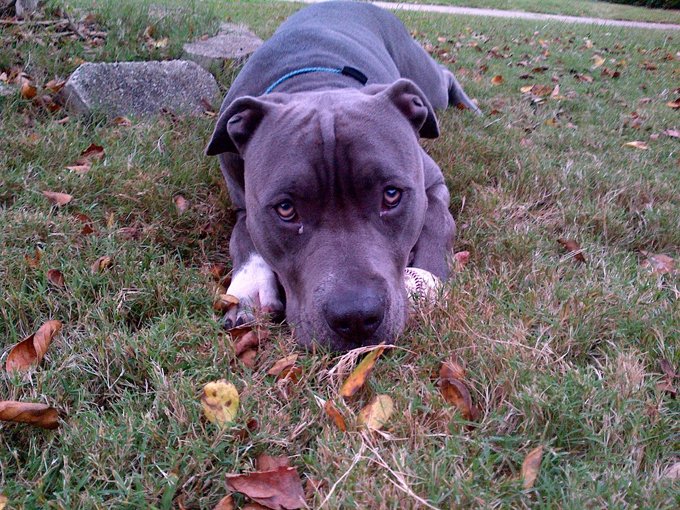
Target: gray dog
(318,143)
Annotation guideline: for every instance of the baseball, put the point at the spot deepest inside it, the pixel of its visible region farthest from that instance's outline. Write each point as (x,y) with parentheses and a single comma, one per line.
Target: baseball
(421,285)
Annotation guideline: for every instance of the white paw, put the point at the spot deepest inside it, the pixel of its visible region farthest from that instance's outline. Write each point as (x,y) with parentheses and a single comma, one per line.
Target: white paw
(255,287)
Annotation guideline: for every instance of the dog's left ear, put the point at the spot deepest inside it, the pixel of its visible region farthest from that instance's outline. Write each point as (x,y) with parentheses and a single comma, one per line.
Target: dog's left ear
(412,103)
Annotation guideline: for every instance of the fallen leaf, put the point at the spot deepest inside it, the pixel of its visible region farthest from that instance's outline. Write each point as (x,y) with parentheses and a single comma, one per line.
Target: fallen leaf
(277,489)
(675,133)
(573,247)
(597,61)
(122,121)
(31,350)
(3,501)
(555,94)
(57,198)
(33,261)
(265,462)
(28,90)
(102,263)
(674,104)
(667,384)
(658,263)
(359,375)
(217,270)
(672,472)
(40,415)
(461,259)
(220,402)
(451,370)
(455,392)
(531,467)
(226,503)
(248,357)
(55,85)
(335,415)
(55,277)
(91,154)
(282,364)
(224,302)
(88,227)
(181,204)
(249,340)
(636,144)
(292,374)
(377,412)
(497,80)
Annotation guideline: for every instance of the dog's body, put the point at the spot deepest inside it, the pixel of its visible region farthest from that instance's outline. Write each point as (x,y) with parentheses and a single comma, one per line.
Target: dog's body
(318,143)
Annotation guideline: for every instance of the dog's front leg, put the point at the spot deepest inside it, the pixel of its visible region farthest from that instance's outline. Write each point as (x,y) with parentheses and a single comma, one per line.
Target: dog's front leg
(435,243)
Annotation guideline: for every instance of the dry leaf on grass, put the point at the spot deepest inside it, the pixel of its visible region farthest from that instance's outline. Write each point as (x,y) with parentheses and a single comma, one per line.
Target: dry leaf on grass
(28,90)
(217,270)
(40,415)
(224,302)
(455,392)
(659,264)
(667,384)
(57,198)
(497,80)
(597,61)
(277,489)
(672,472)
(265,462)
(56,278)
(91,154)
(226,503)
(88,226)
(359,375)
(674,104)
(248,358)
(573,247)
(377,412)
(674,133)
(451,370)
(181,204)
(32,349)
(637,144)
(282,364)
(461,259)
(33,261)
(335,415)
(3,501)
(531,466)
(102,263)
(249,340)
(220,402)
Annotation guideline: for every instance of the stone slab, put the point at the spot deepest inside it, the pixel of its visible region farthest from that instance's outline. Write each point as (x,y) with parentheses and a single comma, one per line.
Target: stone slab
(139,88)
(233,42)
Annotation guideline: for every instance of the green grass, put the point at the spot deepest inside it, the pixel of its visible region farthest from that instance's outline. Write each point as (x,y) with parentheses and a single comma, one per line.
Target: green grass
(557,353)
(589,8)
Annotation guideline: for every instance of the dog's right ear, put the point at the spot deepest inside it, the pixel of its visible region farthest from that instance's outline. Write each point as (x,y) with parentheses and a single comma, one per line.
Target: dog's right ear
(236,125)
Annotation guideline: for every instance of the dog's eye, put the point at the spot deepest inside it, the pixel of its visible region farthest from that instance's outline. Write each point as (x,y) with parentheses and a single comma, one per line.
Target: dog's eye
(285,210)
(391,197)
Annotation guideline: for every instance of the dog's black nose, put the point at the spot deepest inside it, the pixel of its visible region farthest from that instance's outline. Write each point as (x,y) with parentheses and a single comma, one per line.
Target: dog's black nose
(355,315)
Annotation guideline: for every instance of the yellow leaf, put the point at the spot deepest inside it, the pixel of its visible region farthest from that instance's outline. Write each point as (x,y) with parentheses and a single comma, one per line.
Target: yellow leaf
(377,412)
(497,80)
(597,61)
(358,377)
(636,144)
(531,467)
(220,402)
(3,501)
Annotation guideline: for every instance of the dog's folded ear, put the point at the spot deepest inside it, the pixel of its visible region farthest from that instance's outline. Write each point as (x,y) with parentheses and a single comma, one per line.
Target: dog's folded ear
(412,103)
(236,125)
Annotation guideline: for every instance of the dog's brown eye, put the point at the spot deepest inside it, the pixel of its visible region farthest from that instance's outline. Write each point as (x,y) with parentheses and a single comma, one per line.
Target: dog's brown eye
(285,210)
(391,197)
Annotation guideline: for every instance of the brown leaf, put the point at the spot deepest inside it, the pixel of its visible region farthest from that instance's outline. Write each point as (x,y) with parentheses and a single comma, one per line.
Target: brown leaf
(31,350)
(461,259)
(249,340)
(57,198)
(573,247)
(3,501)
(247,357)
(122,121)
(658,263)
(667,384)
(33,261)
(456,393)
(531,467)
(91,154)
(667,368)
(597,61)
(283,364)
(675,133)
(55,85)
(40,415)
(277,489)
(55,277)
(216,270)
(451,370)
(497,80)
(672,472)
(358,377)
(88,227)
(674,104)
(265,462)
(377,412)
(102,263)
(637,144)
(28,90)
(335,415)
(181,204)
(224,302)
(226,503)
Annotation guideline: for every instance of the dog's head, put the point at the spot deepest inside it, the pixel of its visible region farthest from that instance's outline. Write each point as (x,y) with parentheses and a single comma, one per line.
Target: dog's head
(335,201)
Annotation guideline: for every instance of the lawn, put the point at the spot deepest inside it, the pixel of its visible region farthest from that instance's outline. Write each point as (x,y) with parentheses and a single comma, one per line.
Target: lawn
(557,353)
(590,8)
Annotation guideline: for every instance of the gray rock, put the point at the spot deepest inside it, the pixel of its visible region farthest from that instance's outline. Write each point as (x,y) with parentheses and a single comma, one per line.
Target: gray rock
(25,7)
(233,42)
(139,88)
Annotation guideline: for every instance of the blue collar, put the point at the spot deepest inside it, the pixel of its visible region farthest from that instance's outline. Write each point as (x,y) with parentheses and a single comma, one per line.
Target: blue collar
(347,71)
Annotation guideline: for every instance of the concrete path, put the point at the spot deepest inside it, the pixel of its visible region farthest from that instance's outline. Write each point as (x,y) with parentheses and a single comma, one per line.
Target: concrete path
(498,13)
